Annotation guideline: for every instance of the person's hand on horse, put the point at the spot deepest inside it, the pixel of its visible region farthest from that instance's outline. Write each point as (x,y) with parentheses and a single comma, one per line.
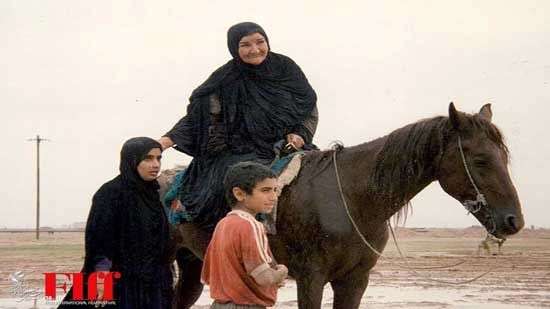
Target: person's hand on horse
(165,142)
(296,140)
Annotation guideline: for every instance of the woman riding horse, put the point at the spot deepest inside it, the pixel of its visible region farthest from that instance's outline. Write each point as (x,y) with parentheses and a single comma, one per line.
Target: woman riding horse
(238,114)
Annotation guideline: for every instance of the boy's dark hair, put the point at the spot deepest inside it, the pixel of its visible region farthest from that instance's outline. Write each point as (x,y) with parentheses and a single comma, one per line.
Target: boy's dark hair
(244,175)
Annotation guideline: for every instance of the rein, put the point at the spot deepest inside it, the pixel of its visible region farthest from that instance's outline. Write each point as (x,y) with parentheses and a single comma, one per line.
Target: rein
(480,202)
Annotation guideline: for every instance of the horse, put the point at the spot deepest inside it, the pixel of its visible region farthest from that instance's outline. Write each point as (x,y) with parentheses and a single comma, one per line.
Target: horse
(365,185)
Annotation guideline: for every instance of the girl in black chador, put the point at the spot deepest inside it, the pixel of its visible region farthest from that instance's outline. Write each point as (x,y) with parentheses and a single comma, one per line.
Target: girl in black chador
(127,232)
(246,106)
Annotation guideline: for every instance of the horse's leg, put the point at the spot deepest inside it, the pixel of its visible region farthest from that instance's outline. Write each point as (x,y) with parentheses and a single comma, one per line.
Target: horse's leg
(349,290)
(194,238)
(189,287)
(310,291)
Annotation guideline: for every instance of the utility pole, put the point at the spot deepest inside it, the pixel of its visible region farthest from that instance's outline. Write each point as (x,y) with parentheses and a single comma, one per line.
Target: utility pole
(38,139)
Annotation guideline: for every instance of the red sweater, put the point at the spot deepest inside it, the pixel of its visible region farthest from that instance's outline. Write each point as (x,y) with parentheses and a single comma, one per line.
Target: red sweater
(238,249)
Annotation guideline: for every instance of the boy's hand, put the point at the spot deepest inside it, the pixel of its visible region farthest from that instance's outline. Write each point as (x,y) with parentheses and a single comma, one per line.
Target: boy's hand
(281,267)
(274,275)
(282,273)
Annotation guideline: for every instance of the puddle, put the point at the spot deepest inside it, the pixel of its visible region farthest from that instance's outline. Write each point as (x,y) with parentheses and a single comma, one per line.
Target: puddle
(408,297)
(376,297)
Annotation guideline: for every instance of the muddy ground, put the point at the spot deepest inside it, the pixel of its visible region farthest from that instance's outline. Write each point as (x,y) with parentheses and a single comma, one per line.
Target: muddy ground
(520,277)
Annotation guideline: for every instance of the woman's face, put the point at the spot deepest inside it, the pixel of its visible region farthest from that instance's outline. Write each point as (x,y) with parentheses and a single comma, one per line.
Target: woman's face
(149,167)
(253,49)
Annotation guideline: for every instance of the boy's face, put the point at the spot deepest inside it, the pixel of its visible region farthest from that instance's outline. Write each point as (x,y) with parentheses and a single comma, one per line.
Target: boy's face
(263,198)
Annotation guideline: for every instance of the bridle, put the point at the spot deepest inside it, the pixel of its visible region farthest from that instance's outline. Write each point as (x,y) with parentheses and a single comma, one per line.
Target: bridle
(480,202)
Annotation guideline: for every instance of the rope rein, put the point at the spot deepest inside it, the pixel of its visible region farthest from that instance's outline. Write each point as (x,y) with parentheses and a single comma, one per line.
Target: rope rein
(338,146)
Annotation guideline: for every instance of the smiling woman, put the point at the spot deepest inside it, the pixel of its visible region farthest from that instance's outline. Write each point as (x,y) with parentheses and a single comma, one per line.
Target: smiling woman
(253,49)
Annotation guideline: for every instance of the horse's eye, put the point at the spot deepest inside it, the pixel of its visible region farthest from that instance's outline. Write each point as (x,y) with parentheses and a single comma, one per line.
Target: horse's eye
(481,162)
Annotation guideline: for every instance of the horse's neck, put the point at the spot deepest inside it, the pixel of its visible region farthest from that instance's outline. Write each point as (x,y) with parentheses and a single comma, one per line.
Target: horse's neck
(358,164)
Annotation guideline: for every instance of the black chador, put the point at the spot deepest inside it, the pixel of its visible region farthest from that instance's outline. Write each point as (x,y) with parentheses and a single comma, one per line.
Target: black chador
(237,115)
(127,231)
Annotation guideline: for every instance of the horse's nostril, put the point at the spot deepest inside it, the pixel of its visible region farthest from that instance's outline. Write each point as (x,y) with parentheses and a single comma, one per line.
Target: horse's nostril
(512,222)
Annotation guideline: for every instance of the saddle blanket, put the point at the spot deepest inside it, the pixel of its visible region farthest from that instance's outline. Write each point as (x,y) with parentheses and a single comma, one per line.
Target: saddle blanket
(286,168)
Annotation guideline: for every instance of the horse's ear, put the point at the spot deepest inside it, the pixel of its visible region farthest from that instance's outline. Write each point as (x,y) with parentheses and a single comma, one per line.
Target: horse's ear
(485,112)
(455,117)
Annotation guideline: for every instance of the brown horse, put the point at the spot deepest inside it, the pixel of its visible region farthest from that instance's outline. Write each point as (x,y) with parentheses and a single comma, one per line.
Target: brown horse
(316,239)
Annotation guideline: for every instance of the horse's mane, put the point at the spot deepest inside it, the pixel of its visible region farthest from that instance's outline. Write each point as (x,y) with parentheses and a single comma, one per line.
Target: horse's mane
(408,155)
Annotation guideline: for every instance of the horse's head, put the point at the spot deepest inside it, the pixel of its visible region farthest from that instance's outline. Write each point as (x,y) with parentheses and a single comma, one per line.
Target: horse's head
(474,170)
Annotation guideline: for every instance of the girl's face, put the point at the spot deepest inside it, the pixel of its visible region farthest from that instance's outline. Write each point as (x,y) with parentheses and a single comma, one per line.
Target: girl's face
(253,49)
(149,167)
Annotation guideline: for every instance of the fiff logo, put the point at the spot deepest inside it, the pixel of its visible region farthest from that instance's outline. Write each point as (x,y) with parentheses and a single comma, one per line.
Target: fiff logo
(78,285)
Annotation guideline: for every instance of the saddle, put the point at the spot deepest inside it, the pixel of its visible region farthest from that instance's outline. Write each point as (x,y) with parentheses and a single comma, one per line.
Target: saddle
(287,168)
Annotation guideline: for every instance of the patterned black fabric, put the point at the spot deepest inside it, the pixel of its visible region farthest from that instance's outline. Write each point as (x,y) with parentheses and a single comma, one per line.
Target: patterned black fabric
(260,105)
(128,226)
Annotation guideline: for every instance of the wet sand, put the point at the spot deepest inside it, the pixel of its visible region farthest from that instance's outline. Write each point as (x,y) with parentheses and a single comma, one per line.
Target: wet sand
(520,277)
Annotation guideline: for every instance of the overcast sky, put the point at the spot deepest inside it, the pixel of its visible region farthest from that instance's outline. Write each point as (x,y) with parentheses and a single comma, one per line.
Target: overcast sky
(90,74)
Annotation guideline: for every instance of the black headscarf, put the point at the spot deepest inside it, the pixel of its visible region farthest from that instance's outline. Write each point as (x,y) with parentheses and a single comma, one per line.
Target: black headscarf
(133,152)
(237,32)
